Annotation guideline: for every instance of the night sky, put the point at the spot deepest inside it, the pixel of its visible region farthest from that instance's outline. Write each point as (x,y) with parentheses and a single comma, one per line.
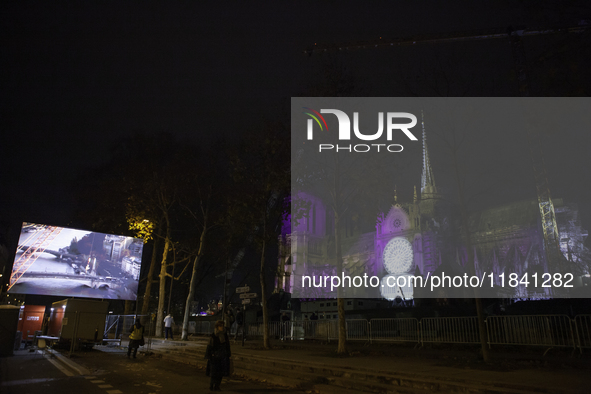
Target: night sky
(77,76)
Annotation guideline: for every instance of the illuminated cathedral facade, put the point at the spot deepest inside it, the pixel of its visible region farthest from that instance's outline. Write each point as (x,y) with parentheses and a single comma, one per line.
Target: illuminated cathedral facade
(423,237)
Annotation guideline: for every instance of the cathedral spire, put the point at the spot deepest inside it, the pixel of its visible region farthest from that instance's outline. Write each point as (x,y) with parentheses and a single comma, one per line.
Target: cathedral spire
(427,178)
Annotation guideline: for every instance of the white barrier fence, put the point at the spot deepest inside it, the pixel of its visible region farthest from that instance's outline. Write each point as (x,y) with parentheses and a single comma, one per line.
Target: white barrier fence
(449,330)
(545,330)
(394,330)
(333,329)
(535,330)
(312,329)
(276,329)
(357,330)
(583,329)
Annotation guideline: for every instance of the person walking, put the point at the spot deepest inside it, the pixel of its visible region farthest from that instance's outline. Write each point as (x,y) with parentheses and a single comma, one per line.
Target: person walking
(285,327)
(168,322)
(228,319)
(239,324)
(136,338)
(313,320)
(218,353)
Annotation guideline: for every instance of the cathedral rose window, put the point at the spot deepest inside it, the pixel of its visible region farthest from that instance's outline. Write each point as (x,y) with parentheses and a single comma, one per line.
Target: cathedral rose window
(398,256)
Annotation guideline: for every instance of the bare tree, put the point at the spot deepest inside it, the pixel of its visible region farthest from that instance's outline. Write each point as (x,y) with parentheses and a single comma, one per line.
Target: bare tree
(260,170)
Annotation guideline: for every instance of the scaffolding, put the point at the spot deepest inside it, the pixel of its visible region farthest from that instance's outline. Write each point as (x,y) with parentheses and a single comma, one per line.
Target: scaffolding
(30,253)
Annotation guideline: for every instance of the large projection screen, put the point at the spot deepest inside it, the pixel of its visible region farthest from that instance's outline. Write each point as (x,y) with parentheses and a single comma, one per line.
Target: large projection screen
(60,261)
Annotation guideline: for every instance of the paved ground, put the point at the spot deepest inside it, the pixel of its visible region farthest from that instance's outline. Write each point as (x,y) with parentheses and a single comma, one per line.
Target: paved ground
(111,372)
(108,370)
(559,370)
(32,373)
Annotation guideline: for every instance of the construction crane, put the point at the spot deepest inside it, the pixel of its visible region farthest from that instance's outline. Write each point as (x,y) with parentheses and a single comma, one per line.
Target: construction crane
(42,239)
(554,257)
(513,34)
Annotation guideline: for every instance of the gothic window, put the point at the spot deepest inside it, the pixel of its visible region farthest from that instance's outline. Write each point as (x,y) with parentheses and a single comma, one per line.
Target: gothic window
(398,220)
(398,255)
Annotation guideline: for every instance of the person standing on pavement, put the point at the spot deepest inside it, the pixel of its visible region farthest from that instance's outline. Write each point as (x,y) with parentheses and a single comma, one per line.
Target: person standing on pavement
(228,320)
(239,324)
(136,338)
(285,328)
(218,353)
(168,322)
(314,318)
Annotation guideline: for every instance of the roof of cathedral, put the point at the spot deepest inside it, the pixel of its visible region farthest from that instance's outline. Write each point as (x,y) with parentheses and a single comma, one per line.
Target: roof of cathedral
(358,244)
(520,213)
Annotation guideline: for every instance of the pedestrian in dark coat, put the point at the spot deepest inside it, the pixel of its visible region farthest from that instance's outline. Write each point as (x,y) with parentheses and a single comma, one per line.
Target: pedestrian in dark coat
(218,353)
(285,328)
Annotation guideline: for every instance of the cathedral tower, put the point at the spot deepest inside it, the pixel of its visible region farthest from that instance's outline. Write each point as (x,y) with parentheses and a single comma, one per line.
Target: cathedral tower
(429,193)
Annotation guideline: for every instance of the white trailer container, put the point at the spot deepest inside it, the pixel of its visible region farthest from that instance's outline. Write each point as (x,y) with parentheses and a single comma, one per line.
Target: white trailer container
(79,319)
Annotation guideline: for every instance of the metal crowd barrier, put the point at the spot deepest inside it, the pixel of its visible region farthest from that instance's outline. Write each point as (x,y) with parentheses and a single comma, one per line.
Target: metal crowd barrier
(118,326)
(583,330)
(541,330)
(535,330)
(323,329)
(311,329)
(254,330)
(333,329)
(204,327)
(304,330)
(276,329)
(582,325)
(357,330)
(449,330)
(394,330)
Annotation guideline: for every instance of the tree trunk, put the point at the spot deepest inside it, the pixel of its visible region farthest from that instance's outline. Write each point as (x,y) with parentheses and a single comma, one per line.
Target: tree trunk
(470,263)
(162,289)
(477,299)
(193,284)
(266,344)
(147,296)
(342,344)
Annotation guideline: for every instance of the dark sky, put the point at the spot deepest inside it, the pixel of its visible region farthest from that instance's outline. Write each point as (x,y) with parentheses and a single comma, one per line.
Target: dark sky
(77,76)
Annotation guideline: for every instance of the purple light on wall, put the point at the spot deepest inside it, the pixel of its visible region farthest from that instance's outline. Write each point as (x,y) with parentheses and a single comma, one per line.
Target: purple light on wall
(286,227)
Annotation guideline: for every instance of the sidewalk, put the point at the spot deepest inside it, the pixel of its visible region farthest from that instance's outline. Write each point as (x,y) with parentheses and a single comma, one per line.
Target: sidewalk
(522,370)
(32,366)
